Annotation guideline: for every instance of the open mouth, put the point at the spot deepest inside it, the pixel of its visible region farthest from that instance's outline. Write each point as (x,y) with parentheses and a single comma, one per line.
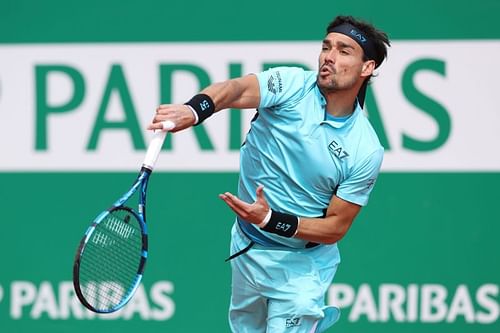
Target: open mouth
(326,70)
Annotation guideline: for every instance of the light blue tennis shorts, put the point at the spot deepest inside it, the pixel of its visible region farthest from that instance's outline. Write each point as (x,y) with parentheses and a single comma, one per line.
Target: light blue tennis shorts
(280,289)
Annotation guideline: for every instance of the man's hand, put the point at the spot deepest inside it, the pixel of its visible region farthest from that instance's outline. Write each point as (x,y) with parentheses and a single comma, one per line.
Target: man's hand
(251,212)
(181,115)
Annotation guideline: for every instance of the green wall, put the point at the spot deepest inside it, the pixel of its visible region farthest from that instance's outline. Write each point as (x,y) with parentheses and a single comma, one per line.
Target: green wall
(30,21)
(421,229)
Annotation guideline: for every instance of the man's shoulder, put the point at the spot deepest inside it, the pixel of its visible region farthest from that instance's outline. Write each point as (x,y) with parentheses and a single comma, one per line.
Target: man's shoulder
(285,86)
(291,71)
(370,142)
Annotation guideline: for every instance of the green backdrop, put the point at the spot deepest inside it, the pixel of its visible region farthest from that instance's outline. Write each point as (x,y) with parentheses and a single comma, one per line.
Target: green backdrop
(421,230)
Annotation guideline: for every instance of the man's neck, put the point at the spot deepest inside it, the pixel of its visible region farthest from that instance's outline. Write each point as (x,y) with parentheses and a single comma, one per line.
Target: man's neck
(340,104)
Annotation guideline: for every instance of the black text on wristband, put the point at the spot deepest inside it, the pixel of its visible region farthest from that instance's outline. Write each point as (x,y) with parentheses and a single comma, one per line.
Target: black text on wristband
(282,224)
(203,105)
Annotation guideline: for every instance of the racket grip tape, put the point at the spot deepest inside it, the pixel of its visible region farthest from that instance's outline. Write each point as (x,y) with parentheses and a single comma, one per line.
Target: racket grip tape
(154,149)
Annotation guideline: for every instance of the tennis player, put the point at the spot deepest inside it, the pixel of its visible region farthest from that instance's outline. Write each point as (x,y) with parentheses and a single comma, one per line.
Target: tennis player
(308,165)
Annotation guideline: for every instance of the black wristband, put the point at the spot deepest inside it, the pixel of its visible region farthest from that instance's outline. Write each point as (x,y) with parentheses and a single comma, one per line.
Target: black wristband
(282,224)
(203,105)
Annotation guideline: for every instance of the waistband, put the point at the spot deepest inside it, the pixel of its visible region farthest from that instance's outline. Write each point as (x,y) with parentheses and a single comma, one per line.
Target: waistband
(252,241)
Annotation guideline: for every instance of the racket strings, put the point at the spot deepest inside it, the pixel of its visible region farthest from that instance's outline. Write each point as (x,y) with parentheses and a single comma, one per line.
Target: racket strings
(105,281)
(111,259)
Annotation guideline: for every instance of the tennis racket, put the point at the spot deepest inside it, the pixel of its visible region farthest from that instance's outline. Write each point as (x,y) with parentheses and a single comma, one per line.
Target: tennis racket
(110,260)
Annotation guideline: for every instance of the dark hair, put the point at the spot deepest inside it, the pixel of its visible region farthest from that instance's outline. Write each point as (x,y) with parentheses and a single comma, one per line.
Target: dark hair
(377,37)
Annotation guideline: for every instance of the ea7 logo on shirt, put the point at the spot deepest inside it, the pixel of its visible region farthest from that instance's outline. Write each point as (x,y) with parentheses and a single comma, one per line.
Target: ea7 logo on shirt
(337,150)
(275,84)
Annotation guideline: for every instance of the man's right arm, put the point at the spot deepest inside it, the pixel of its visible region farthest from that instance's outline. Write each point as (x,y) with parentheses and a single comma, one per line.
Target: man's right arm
(241,93)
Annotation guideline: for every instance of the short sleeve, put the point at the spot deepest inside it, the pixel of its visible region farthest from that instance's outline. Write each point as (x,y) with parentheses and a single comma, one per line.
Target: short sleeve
(358,186)
(281,85)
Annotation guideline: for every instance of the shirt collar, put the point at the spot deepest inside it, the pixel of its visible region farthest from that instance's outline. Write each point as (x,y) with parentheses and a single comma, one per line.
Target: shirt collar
(338,122)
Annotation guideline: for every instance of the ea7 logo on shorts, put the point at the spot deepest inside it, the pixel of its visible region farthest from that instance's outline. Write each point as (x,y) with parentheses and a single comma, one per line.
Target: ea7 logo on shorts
(292,322)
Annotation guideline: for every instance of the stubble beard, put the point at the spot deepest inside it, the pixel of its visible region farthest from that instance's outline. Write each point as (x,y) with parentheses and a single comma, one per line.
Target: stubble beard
(329,82)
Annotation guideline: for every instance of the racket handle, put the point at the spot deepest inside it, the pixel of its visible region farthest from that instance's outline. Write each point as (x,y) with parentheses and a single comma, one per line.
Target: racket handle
(154,149)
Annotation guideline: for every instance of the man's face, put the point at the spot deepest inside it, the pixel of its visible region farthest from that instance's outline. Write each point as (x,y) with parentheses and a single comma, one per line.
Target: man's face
(340,63)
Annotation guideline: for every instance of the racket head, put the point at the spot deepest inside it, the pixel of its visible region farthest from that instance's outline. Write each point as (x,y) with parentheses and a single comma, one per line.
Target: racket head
(110,260)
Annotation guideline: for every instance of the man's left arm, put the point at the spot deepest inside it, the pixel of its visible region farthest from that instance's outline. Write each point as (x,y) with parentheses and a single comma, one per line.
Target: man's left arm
(343,208)
(331,228)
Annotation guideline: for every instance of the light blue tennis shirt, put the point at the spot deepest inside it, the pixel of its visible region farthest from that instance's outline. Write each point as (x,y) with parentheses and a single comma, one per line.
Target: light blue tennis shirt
(302,155)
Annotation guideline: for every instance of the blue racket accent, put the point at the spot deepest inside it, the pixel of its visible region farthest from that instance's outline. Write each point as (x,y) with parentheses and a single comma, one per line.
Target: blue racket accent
(111,258)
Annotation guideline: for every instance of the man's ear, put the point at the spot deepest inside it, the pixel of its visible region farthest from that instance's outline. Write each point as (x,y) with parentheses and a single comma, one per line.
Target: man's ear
(368,68)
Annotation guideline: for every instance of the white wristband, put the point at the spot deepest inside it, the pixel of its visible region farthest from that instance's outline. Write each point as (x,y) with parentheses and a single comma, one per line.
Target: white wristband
(298,226)
(266,219)
(196,118)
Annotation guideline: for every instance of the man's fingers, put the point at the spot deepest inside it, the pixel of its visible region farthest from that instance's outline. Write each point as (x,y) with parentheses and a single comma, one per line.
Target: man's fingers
(260,192)
(164,113)
(155,126)
(165,108)
(167,125)
(229,197)
(233,202)
(179,114)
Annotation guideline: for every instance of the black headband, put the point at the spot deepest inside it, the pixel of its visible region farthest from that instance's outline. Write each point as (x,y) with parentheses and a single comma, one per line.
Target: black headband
(351,31)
